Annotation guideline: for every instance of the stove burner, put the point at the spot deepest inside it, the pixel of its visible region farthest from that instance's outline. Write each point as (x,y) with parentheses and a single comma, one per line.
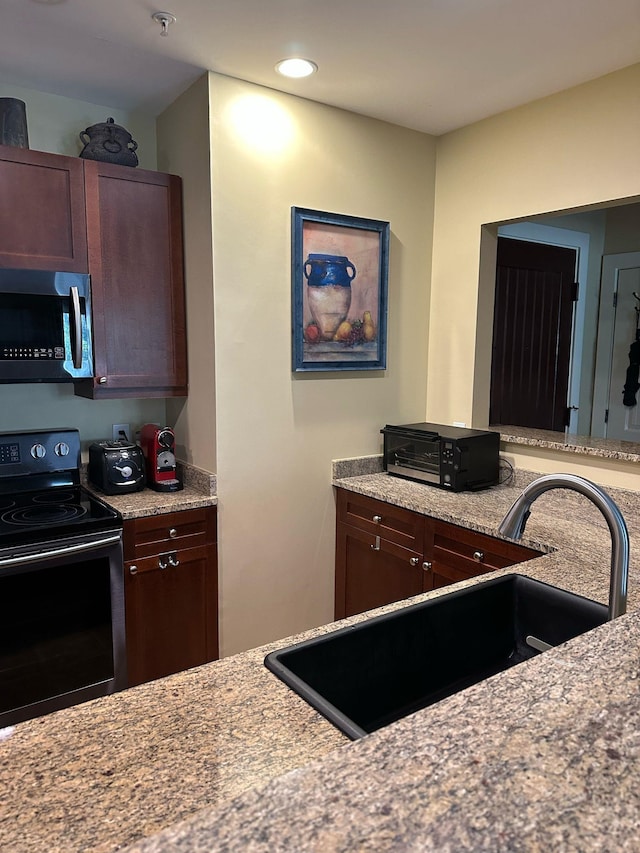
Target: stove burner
(54,496)
(43,514)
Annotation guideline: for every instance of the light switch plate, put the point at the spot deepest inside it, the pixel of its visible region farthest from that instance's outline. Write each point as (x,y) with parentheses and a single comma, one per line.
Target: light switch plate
(118,428)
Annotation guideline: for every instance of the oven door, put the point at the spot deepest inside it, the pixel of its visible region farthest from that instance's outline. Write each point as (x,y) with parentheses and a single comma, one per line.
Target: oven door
(412,455)
(62,636)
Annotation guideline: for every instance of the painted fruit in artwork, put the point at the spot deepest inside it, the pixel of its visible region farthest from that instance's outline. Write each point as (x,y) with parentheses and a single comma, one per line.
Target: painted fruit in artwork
(312,333)
(368,329)
(343,331)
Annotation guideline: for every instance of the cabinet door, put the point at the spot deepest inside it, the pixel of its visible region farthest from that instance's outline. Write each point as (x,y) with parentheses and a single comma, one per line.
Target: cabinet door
(42,215)
(371,571)
(171,612)
(456,553)
(134,232)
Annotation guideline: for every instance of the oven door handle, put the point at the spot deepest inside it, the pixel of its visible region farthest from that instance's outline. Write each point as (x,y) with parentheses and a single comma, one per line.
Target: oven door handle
(76,319)
(59,552)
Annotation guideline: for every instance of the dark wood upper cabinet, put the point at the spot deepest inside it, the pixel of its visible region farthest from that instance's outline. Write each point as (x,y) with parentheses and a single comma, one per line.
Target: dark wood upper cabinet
(42,211)
(134,235)
(124,227)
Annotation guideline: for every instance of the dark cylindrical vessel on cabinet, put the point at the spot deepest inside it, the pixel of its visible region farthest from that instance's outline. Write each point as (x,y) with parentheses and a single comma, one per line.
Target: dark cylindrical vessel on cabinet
(13,123)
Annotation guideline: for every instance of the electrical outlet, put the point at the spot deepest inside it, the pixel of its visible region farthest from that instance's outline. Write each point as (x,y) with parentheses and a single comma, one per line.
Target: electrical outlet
(118,429)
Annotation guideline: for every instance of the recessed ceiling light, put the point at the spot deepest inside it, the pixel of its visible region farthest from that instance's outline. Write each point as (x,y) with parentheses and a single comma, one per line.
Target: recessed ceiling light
(296,67)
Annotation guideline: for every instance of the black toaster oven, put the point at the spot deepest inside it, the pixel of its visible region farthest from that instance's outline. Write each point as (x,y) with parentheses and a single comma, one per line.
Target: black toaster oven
(453,458)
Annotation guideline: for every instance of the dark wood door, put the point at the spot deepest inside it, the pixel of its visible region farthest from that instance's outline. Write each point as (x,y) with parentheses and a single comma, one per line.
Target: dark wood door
(533,314)
(42,214)
(134,232)
(171,613)
(371,571)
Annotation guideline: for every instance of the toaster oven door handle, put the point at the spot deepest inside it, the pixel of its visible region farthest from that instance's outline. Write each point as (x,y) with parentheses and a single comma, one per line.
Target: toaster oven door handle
(38,556)
(76,322)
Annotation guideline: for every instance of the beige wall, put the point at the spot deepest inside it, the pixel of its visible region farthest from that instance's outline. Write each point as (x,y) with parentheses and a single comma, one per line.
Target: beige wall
(277,432)
(184,149)
(53,123)
(579,147)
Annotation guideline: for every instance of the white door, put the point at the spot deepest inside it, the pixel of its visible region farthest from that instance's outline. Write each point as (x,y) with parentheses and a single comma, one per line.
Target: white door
(620,281)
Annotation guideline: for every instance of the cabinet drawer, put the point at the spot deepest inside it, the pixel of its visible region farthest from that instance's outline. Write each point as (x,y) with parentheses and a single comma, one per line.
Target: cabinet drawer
(472,552)
(169,559)
(390,522)
(155,534)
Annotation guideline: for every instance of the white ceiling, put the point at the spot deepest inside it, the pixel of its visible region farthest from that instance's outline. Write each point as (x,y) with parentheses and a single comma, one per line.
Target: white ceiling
(432,65)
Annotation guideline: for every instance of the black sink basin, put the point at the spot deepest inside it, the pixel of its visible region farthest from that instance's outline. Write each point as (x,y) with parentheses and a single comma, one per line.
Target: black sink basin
(364,677)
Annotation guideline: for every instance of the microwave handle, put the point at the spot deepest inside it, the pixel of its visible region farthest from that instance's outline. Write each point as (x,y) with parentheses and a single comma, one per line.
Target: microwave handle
(76,320)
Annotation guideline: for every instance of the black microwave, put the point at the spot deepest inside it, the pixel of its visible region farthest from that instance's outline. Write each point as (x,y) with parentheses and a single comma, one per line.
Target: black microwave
(449,457)
(45,326)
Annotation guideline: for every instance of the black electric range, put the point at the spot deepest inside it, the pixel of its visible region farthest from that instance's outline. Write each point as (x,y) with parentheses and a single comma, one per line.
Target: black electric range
(62,625)
(40,492)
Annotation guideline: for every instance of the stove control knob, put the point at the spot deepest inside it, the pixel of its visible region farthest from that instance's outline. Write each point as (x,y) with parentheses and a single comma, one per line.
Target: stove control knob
(61,448)
(38,451)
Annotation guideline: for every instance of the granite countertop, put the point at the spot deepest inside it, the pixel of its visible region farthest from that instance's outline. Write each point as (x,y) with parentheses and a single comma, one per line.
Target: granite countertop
(199,489)
(605,448)
(225,757)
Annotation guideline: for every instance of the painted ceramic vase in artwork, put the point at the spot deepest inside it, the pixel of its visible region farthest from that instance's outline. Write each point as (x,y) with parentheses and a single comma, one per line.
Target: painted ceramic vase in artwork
(329,280)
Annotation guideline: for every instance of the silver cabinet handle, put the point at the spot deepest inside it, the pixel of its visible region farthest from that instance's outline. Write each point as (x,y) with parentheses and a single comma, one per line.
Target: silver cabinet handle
(376,544)
(173,560)
(172,533)
(102,380)
(414,561)
(377,519)
(162,564)
(133,570)
(478,556)
(427,565)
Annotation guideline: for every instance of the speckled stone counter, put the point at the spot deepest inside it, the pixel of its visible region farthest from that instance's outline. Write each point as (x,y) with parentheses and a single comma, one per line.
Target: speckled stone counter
(199,490)
(604,448)
(541,758)
(225,757)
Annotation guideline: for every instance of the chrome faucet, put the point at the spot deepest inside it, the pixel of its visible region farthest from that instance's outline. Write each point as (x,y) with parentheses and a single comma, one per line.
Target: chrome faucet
(514,522)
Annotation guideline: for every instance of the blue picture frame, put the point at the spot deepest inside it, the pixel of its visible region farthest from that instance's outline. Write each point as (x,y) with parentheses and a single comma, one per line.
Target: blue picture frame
(339,291)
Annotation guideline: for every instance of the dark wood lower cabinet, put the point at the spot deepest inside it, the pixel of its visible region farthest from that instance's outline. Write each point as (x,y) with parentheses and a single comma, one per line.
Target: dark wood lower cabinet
(170,593)
(369,576)
(375,567)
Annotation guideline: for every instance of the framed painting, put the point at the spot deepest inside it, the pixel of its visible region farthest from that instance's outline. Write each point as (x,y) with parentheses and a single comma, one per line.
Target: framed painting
(340,268)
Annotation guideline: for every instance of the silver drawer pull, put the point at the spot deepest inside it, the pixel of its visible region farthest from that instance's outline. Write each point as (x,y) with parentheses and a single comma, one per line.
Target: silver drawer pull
(376,544)
(173,532)
(162,564)
(426,565)
(377,519)
(414,561)
(478,556)
(173,560)
(133,570)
